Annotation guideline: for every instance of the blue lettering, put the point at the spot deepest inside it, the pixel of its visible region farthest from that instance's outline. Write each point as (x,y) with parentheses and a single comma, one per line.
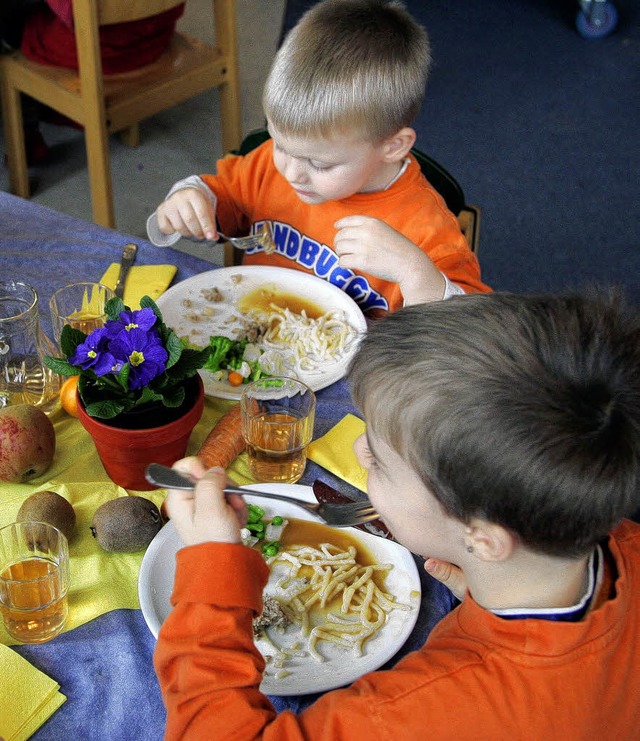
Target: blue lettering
(308,252)
(325,262)
(293,245)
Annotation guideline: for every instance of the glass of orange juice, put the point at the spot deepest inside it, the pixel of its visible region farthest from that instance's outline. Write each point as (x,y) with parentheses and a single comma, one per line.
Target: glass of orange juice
(81,305)
(277,426)
(34,581)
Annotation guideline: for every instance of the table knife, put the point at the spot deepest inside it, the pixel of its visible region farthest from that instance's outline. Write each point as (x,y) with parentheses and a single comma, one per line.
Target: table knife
(327,494)
(126,261)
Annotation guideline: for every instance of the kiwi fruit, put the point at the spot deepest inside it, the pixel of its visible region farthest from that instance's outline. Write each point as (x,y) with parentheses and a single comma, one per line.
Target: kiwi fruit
(126,524)
(50,507)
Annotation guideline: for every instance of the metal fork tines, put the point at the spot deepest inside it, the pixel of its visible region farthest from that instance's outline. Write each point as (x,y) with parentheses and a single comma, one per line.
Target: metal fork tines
(336,515)
(262,239)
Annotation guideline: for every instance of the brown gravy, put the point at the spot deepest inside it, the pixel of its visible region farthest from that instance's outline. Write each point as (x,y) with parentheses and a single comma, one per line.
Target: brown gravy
(306,532)
(263,297)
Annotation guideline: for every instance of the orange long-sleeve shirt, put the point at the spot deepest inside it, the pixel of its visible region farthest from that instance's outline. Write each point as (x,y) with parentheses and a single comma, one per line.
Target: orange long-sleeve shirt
(249,190)
(477,677)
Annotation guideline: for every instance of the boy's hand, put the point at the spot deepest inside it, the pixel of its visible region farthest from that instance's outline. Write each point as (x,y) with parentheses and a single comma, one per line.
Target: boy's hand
(189,212)
(205,514)
(371,246)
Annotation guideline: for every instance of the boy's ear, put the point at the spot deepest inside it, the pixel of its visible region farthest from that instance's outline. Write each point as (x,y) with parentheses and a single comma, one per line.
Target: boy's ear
(396,147)
(489,541)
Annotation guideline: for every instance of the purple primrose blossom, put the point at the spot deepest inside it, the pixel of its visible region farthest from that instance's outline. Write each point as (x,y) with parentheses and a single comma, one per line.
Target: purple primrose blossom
(140,319)
(94,354)
(143,351)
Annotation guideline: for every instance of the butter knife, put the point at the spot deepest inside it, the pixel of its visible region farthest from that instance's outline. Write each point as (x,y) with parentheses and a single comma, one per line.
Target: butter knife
(126,261)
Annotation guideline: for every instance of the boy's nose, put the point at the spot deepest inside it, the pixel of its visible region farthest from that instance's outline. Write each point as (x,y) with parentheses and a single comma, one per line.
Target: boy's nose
(294,171)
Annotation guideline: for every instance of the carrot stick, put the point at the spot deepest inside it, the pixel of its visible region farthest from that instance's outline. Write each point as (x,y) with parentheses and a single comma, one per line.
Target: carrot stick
(225,442)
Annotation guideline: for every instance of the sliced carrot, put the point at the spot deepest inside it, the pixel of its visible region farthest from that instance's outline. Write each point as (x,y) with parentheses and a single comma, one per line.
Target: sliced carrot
(235,378)
(225,442)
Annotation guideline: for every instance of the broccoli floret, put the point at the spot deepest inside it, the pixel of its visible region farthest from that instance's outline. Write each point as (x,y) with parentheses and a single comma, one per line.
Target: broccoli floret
(220,347)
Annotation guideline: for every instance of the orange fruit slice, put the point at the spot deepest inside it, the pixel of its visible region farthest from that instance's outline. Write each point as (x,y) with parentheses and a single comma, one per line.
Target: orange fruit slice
(68,397)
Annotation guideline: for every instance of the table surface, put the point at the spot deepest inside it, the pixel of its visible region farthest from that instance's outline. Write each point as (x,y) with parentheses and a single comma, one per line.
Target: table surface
(105,666)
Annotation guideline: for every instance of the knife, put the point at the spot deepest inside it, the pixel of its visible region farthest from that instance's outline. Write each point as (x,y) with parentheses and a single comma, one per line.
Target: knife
(326,494)
(126,261)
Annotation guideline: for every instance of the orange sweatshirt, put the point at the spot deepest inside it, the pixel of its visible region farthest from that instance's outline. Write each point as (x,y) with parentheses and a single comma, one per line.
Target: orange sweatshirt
(477,677)
(249,190)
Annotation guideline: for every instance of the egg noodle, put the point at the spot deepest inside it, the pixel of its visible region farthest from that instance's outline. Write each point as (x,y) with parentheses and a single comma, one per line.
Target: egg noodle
(312,342)
(330,580)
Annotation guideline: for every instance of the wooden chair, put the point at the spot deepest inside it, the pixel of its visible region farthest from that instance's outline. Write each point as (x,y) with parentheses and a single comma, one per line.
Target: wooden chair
(442,180)
(105,104)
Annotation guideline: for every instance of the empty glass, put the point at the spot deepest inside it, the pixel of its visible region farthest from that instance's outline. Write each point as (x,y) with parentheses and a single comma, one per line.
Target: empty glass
(24,378)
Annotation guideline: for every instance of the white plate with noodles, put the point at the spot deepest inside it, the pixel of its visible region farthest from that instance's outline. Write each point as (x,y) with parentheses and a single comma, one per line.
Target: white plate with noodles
(298,664)
(315,347)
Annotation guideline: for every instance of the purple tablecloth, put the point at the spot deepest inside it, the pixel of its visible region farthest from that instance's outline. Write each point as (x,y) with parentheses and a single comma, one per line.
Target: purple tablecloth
(105,667)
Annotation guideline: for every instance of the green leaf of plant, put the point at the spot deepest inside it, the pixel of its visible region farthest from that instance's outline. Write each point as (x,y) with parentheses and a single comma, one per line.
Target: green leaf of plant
(113,307)
(106,409)
(61,366)
(123,377)
(174,347)
(173,397)
(149,395)
(70,338)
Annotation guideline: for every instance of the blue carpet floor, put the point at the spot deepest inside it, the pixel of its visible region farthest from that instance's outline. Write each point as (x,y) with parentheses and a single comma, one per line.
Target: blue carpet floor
(540,127)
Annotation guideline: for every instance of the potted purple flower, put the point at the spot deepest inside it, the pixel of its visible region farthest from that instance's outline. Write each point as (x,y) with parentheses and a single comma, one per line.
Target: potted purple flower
(139,388)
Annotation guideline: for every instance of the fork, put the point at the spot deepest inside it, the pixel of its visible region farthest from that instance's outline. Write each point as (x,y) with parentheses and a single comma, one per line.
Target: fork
(261,239)
(336,515)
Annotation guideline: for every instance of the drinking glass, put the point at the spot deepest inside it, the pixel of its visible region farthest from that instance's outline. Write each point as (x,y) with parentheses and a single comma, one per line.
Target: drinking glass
(24,378)
(277,426)
(34,580)
(81,305)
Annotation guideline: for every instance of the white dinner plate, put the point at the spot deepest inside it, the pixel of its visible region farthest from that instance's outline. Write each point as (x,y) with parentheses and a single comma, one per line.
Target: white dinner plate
(189,313)
(307,675)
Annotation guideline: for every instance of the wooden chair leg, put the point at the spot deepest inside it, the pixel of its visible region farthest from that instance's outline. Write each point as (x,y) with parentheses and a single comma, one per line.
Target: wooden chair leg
(227,42)
(130,137)
(99,164)
(14,138)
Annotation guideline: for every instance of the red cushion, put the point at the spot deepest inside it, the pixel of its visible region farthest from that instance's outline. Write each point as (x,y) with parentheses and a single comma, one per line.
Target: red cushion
(124,46)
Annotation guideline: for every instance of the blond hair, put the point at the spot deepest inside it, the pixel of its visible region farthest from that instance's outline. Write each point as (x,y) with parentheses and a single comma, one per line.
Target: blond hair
(349,65)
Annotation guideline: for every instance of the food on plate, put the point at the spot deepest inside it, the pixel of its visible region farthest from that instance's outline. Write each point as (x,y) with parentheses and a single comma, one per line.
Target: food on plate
(224,443)
(263,533)
(50,507)
(240,361)
(330,587)
(126,524)
(265,330)
(27,443)
(272,616)
(312,342)
(265,297)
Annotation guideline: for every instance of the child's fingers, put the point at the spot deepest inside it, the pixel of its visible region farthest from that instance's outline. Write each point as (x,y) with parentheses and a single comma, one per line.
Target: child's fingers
(178,504)
(448,574)
(191,465)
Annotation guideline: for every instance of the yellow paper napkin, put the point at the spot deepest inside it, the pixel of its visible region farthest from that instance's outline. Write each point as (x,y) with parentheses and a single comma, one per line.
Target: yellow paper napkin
(143,280)
(334,451)
(27,697)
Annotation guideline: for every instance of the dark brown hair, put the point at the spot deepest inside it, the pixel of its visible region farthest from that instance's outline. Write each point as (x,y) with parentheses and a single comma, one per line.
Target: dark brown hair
(521,409)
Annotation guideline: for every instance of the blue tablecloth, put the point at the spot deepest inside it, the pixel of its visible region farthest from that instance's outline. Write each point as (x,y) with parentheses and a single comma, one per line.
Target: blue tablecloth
(105,667)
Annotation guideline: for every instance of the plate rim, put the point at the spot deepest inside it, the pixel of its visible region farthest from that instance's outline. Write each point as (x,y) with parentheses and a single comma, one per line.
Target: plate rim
(324,684)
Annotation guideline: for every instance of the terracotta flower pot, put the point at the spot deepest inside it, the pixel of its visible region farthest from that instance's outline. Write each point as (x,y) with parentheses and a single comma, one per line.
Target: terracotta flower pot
(125,453)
